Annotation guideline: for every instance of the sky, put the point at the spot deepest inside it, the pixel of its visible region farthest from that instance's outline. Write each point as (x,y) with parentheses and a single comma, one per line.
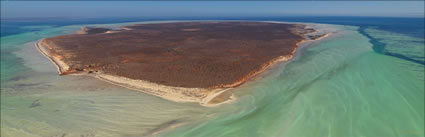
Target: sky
(76,9)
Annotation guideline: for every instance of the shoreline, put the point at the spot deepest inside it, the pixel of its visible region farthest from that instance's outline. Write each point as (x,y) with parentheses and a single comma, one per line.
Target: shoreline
(59,64)
(177,94)
(203,96)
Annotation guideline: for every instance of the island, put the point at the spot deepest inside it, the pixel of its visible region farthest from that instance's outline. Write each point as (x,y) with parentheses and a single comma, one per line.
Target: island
(179,61)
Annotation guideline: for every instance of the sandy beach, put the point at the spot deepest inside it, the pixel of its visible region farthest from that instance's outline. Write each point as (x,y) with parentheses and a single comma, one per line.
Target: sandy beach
(203,96)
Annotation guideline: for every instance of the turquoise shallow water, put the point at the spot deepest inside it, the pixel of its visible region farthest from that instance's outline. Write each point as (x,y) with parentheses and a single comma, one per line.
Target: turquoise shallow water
(36,102)
(338,87)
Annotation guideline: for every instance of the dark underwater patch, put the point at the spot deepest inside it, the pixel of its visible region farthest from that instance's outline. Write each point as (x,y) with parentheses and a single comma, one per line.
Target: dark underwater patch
(379,47)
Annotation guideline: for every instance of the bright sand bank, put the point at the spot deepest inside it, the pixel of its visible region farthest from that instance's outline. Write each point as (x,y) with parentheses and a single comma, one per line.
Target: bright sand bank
(203,96)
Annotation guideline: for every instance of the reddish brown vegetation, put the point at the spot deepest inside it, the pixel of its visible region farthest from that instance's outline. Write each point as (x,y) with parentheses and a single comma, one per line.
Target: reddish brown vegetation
(189,54)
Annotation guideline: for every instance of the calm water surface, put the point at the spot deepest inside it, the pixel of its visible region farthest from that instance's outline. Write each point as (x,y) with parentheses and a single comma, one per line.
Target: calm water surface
(365,81)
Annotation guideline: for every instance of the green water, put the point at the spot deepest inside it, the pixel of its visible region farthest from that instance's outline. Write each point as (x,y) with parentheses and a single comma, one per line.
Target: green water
(339,87)
(411,47)
(36,102)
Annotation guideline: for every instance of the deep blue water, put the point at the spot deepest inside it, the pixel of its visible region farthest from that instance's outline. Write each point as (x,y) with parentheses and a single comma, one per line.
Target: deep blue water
(16,26)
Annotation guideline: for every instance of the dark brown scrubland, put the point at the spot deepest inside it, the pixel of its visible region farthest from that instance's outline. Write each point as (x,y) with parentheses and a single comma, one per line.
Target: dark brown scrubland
(183,54)
(91,30)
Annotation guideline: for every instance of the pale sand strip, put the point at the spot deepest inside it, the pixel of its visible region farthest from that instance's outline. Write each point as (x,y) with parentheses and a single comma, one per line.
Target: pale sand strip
(179,94)
(60,65)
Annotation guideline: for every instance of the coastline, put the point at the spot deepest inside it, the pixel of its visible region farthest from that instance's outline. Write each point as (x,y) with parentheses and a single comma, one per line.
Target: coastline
(177,94)
(335,71)
(60,65)
(203,96)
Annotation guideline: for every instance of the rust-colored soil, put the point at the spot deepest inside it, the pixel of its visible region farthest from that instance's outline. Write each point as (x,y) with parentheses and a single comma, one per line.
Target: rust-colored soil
(186,54)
